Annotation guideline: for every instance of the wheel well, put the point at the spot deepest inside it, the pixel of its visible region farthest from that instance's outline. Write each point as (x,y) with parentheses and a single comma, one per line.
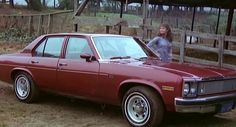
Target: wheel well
(15,72)
(125,87)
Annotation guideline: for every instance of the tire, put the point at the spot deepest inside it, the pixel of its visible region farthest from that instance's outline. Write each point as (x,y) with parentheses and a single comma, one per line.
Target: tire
(24,88)
(142,107)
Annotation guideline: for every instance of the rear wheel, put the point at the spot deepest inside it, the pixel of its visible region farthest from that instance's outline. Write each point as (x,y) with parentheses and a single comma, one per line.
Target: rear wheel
(142,107)
(24,88)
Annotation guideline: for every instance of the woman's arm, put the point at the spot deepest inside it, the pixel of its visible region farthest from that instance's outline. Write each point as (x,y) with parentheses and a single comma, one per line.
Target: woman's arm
(153,42)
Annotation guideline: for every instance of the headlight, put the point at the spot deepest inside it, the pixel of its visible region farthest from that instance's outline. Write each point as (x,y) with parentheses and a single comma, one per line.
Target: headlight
(186,89)
(190,89)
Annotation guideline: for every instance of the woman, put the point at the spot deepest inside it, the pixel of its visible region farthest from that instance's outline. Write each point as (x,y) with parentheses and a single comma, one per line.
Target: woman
(162,43)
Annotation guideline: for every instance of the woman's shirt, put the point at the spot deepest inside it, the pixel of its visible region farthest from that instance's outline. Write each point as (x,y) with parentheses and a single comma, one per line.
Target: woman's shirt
(162,47)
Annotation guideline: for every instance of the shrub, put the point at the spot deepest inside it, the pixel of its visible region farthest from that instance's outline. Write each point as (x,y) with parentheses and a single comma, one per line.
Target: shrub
(14,34)
(66,4)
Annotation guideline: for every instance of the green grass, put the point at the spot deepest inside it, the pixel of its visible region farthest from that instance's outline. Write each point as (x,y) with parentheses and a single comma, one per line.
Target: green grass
(117,15)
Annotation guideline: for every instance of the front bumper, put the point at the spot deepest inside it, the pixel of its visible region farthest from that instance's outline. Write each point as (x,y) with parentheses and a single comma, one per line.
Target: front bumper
(220,103)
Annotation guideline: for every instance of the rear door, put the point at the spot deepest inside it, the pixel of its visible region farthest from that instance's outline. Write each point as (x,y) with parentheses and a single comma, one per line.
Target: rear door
(76,75)
(43,64)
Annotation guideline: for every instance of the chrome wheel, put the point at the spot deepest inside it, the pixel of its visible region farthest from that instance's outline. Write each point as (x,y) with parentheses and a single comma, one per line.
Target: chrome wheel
(137,109)
(142,107)
(22,87)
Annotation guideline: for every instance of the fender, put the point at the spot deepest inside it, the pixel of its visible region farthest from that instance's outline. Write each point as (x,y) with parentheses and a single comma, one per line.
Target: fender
(21,69)
(148,83)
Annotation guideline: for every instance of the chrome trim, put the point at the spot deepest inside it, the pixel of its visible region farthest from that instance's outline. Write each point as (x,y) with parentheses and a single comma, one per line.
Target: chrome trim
(195,109)
(202,105)
(217,86)
(91,37)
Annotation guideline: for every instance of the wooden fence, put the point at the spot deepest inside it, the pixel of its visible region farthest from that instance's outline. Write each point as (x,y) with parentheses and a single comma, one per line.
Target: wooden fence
(47,23)
(180,43)
(220,51)
(37,23)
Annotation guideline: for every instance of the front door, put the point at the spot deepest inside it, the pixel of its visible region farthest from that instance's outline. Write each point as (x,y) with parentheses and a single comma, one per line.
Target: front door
(75,75)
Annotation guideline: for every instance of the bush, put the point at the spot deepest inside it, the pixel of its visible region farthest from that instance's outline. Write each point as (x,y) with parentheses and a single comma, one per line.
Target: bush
(37,5)
(14,34)
(66,4)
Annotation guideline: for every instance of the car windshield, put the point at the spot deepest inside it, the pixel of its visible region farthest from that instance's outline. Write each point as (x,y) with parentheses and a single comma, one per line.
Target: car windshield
(117,47)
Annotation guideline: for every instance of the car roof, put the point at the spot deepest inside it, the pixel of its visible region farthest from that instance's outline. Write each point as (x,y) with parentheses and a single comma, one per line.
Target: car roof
(85,34)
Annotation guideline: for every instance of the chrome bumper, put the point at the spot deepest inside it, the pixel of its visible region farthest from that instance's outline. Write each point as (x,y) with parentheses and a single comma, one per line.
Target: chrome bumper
(204,104)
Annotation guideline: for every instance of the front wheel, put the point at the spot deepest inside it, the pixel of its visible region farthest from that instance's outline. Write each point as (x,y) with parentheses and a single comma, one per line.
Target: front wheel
(142,107)
(24,88)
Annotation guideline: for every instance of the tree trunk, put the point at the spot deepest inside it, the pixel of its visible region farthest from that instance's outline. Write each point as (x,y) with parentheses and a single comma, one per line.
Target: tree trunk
(44,4)
(11,3)
(201,9)
(4,1)
(29,3)
(160,8)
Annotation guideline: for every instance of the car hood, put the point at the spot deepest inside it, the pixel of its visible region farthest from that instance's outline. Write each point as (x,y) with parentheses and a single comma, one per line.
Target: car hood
(191,70)
(185,70)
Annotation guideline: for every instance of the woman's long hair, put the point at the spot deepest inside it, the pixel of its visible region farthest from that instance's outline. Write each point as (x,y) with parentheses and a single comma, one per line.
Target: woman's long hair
(169,33)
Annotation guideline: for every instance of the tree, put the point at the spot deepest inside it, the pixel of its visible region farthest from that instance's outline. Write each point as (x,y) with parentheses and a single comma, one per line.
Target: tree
(29,3)
(11,3)
(34,4)
(44,4)
(66,4)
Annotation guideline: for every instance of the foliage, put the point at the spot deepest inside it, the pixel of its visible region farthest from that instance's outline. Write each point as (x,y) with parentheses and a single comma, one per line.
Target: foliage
(66,4)
(37,5)
(14,34)
(34,4)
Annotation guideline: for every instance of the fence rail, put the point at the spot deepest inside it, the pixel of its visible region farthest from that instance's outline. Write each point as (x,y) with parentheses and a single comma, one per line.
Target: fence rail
(43,23)
(181,44)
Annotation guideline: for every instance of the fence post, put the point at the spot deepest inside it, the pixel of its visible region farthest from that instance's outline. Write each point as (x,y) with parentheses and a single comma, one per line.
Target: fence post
(221,50)
(182,47)
(30,27)
(50,20)
(107,29)
(40,23)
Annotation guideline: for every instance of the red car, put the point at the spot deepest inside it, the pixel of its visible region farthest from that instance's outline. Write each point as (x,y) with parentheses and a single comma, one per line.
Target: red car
(118,70)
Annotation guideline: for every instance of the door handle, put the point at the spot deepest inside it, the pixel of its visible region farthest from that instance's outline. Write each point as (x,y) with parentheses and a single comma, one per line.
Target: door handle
(62,64)
(33,61)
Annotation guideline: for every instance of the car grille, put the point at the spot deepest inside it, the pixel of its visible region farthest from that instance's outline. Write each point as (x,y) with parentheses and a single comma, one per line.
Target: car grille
(217,86)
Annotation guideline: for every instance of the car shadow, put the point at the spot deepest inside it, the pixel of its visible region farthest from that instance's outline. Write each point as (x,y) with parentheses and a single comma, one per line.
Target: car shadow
(115,112)
(197,120)
(79,104)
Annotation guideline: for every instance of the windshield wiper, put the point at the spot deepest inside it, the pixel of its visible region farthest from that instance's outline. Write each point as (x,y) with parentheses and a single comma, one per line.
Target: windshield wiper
(141,58)
(120,57)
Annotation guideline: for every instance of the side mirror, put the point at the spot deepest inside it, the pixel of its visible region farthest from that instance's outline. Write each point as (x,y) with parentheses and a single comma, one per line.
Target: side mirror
(88,57)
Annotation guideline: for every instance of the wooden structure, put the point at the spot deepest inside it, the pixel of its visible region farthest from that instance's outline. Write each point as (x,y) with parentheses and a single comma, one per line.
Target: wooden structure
(32,21)
(228,4)
(145,25)
(44,24)
(183,46)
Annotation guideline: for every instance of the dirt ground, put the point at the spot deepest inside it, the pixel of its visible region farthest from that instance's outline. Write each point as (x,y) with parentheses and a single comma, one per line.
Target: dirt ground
(55,111)
(58,111)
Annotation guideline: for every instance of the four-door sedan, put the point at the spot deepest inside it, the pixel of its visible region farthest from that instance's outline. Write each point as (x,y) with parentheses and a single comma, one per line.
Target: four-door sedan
(118,70)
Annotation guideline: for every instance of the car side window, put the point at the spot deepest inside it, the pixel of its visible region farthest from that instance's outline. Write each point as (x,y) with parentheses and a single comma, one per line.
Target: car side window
(39,49)
(51,47)
(77,46)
